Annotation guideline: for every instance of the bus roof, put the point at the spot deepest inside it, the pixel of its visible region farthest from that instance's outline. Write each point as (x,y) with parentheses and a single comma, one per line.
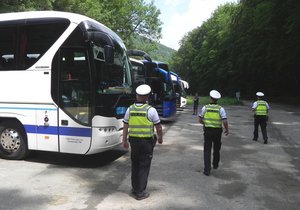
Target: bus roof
(165,73)
(185,84)
(76,18)
(136,61)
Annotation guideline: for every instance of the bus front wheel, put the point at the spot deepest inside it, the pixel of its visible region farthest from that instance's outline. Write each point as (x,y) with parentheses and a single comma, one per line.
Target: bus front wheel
(13,141)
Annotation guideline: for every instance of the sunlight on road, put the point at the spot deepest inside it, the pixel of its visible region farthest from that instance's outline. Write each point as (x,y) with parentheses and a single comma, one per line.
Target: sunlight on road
(200,148)
(285,123)
(195,124)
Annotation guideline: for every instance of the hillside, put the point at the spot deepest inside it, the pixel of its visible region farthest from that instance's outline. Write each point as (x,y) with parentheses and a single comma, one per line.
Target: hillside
(163,53)
(157,51)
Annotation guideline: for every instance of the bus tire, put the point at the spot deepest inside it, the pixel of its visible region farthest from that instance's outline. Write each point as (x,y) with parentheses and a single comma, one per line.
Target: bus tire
(13,141)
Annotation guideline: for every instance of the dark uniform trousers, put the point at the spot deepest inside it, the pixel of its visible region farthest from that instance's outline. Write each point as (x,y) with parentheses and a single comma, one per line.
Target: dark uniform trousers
(141,156)
(262,122)
(212,137)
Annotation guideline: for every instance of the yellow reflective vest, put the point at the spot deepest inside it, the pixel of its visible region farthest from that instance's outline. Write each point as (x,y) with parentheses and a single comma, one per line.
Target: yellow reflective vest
(261,108)
(139,124)
(212,117)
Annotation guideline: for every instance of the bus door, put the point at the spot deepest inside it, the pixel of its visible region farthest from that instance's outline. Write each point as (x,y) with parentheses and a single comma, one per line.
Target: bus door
(74,117)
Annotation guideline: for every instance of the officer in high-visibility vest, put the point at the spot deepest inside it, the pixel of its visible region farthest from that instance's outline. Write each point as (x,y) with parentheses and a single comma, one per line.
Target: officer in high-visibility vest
(260,109)
(212,116)
(139,122)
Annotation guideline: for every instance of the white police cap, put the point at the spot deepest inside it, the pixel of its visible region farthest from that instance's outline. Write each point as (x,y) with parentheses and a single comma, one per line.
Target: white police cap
(143,90)
(260,94)
(214,94)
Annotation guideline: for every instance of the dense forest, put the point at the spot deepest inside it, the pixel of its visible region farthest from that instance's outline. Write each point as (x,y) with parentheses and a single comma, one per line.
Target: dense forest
(250,46)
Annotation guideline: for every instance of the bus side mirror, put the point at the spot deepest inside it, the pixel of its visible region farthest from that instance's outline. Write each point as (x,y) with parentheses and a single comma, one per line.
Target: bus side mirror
(141,53)
(103,39)
(109,54)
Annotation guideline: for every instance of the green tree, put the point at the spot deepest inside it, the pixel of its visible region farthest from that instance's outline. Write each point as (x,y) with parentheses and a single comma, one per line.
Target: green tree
(200,58)
(250,46)
(24,5)
(132,19)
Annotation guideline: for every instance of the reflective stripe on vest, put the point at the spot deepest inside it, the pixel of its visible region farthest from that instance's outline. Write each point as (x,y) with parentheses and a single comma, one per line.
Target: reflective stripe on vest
(139,124)
(261,108)
(212,117)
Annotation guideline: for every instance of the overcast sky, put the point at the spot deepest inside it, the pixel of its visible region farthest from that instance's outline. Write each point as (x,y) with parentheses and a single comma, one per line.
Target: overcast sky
(181,16)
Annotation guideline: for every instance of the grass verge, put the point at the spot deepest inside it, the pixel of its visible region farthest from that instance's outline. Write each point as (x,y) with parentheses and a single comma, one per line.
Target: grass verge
(221,101)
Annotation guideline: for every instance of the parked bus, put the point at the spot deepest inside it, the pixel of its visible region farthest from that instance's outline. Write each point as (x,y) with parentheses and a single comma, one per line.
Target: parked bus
(65,82)
(183,99)
(177,87)
(180,86)
(138,71)
(158,77)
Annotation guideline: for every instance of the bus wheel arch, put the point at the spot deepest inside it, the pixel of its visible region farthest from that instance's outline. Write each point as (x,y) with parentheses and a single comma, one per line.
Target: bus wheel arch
(13,140)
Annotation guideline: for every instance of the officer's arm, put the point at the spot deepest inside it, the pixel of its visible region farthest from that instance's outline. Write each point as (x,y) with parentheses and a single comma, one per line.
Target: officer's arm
(125,133)
(201,115)
(159,132)
(225,124)
(254,106)
(201,120)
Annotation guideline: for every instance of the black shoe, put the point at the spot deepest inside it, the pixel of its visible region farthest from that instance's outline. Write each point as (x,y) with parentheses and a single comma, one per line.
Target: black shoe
(254,139)
(142,196)
(215,167)
(206,173)
(265,142)
(132,192)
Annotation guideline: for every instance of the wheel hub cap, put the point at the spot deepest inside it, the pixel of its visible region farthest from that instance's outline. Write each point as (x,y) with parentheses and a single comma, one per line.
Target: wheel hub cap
(10,140)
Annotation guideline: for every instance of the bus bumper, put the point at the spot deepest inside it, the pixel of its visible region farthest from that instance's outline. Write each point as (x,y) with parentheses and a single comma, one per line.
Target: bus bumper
(106,134)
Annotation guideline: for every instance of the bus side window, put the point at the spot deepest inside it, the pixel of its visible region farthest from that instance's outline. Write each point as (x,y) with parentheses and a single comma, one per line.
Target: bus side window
(8,47)
(2,63)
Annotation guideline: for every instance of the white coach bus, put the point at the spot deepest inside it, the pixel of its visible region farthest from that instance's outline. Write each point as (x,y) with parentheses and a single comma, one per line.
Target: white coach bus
(65,84)
(183,98)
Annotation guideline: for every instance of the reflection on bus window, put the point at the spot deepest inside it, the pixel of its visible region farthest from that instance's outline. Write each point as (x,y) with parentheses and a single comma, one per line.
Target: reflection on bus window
(33,39)
(75,88)
(112,78)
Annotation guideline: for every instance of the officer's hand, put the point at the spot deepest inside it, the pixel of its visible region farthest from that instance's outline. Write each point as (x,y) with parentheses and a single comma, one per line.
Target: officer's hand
(160,140)
(125,144)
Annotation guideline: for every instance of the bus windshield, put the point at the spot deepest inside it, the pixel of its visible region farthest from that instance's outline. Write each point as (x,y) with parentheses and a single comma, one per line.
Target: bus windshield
(112,78)
(113,82)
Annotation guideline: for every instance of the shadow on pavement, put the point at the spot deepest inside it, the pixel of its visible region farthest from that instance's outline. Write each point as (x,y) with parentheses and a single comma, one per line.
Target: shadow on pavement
(80,161)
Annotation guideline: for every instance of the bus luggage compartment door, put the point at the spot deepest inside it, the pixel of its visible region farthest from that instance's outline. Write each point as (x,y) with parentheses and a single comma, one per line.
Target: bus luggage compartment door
(47,130)
(73,137)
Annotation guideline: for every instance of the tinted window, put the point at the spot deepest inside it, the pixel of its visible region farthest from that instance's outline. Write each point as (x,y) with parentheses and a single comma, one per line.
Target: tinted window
(75,84)
(8,47)
(22,44)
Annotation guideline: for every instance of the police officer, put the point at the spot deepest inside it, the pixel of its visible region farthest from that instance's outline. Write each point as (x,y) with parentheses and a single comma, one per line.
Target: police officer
(139,122)
(260,109)
(212,116)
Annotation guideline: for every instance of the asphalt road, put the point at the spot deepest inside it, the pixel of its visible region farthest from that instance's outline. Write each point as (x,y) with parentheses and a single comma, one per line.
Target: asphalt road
(251,175)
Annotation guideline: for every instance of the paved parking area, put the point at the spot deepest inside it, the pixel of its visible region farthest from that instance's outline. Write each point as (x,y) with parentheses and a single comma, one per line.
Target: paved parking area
(251,175)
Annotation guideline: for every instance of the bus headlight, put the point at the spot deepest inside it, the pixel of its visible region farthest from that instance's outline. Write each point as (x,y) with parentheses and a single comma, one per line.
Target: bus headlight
(108,129)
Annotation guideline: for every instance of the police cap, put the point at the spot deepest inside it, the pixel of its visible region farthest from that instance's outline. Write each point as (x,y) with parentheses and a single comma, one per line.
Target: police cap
(260,94)
(215,94)
(143,90)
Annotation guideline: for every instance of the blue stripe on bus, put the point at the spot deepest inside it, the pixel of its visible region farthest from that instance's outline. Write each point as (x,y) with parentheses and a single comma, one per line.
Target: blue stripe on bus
(53,130)
(28,108)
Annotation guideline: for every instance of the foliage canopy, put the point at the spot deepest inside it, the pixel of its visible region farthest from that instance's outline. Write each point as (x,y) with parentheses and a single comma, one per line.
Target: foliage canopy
(250,46)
